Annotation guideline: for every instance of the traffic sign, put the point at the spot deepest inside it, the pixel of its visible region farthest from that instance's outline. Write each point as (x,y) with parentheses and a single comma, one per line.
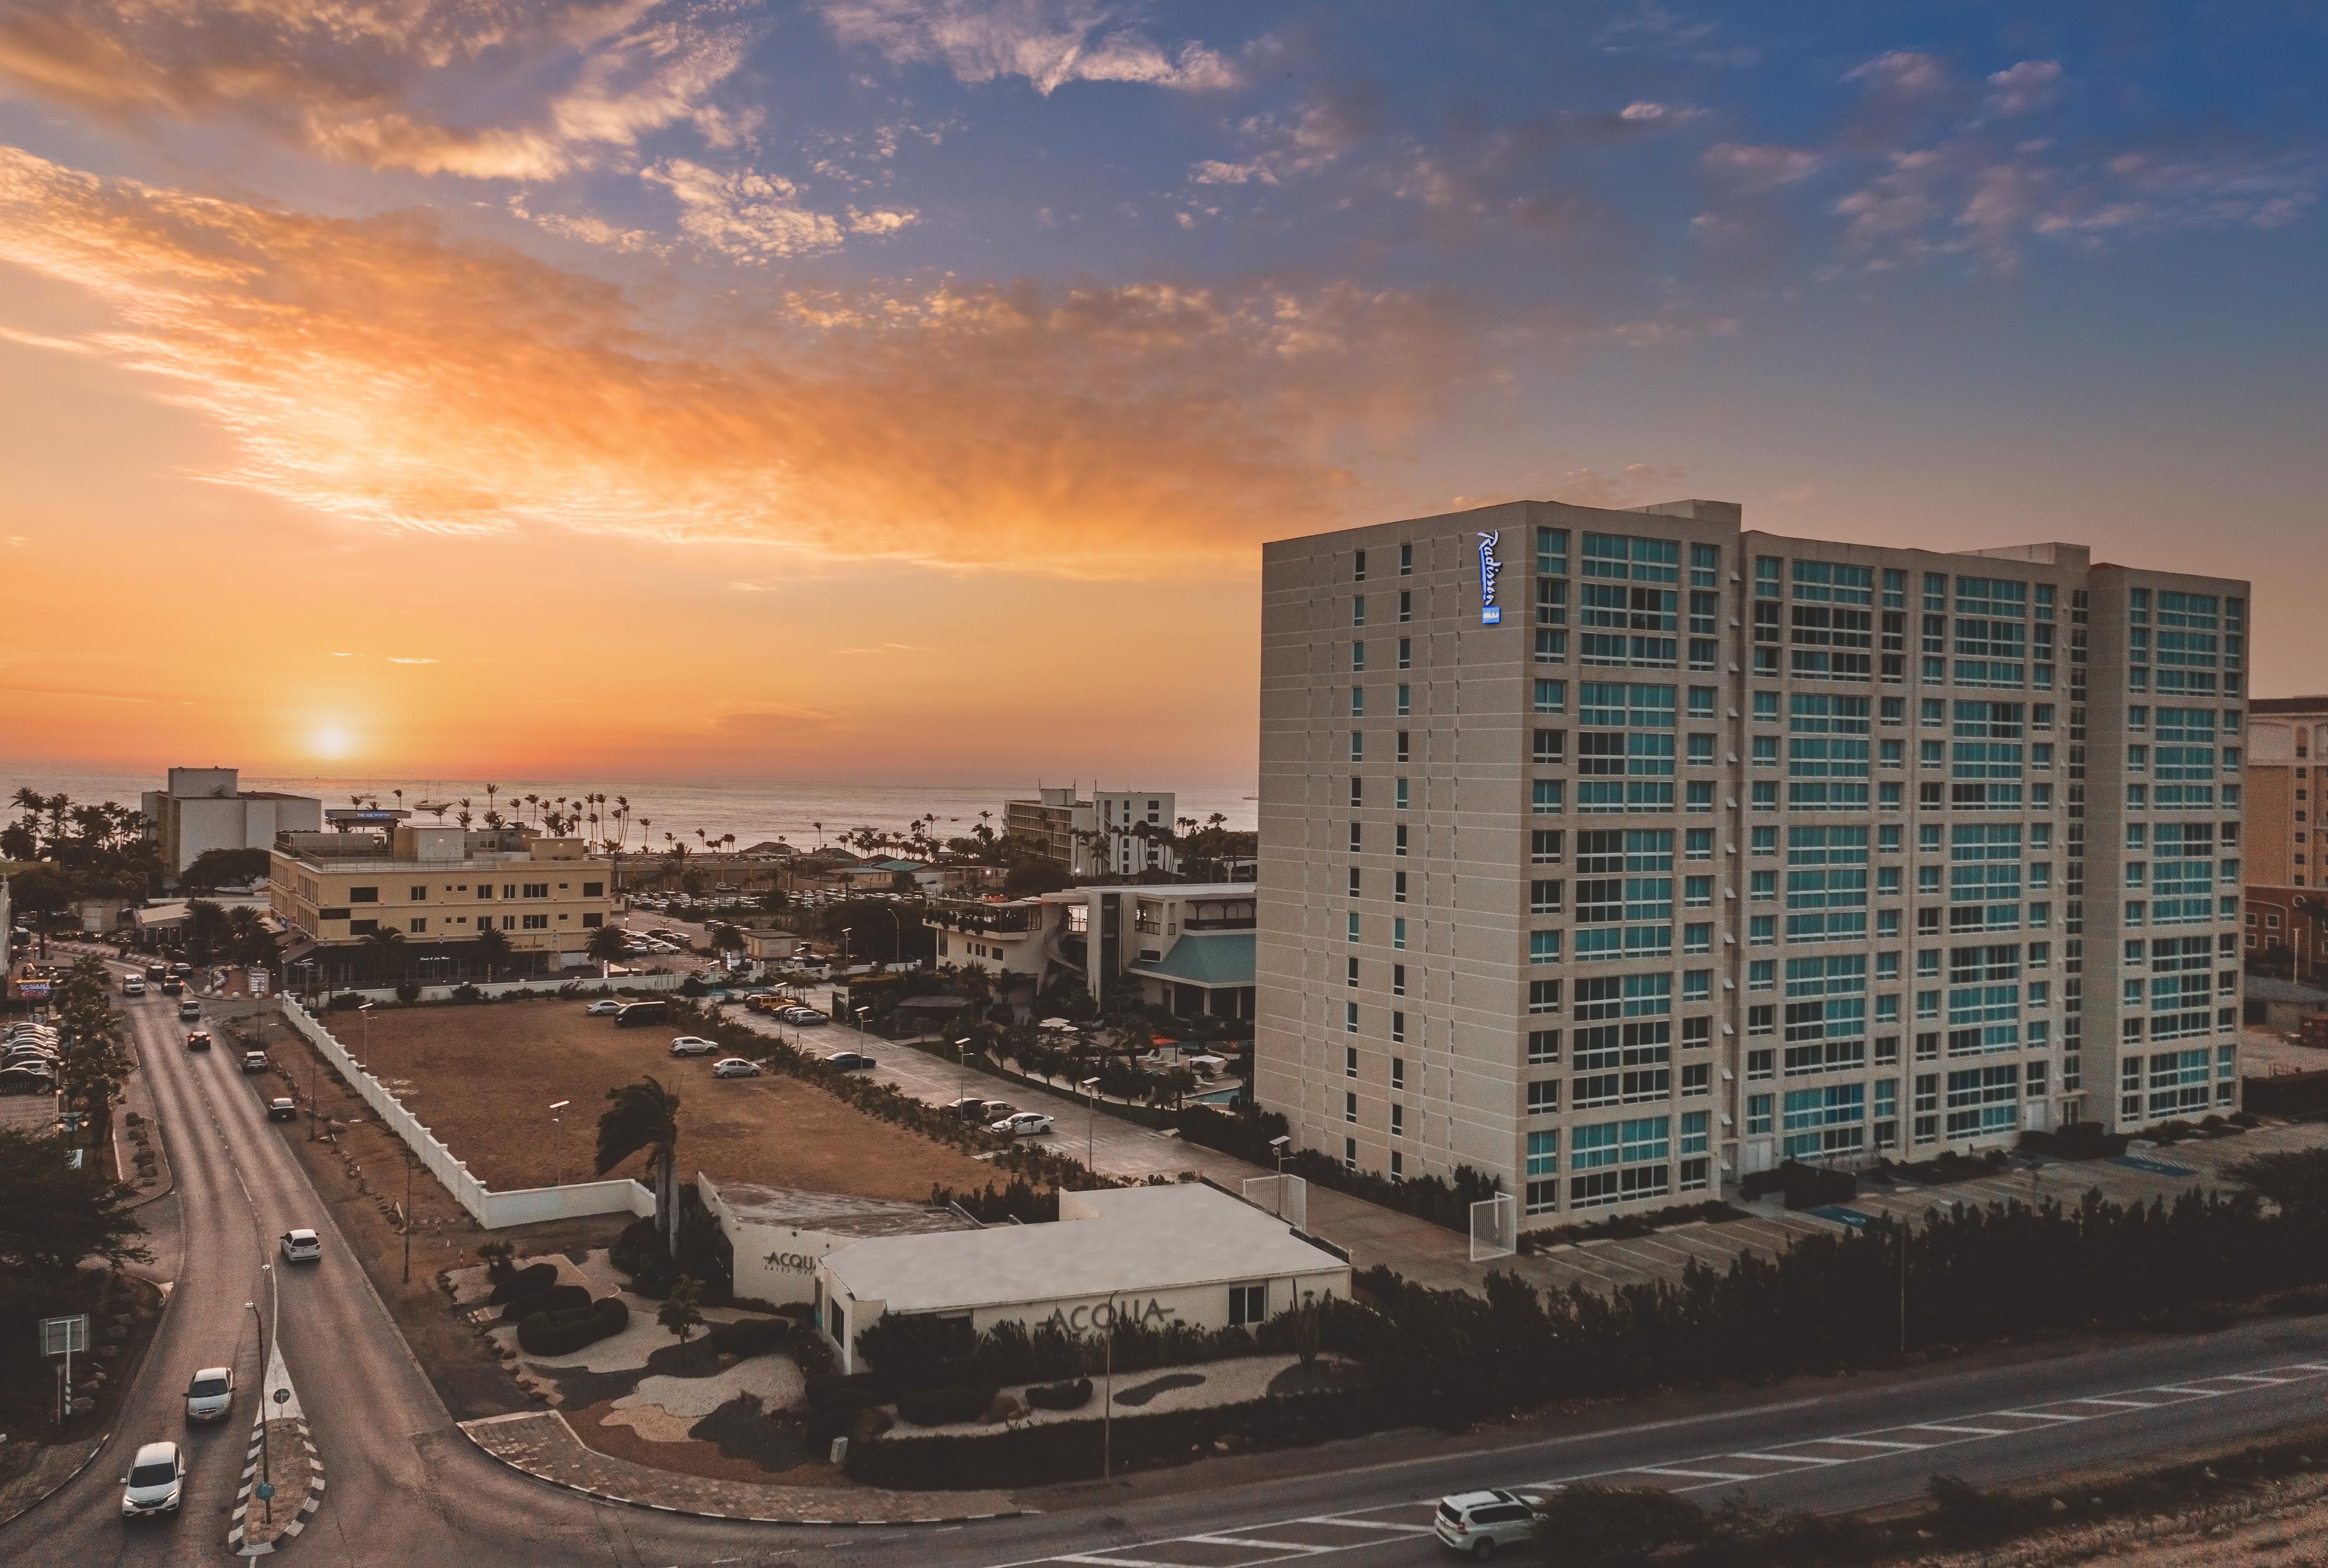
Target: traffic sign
(282,1396)
(64,1336)
(264,1491)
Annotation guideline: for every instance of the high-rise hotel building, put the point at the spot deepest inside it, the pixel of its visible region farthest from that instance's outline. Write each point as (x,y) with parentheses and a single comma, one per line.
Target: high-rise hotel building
(1619,853)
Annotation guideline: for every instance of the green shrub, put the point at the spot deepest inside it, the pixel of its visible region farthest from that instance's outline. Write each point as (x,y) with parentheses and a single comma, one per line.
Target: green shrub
(1060,1395)
(556,1298)
(407,990)
(1613,1525)
(943,1406)
(826,1387)
(563,1333)
(524,1282)
(749,1336)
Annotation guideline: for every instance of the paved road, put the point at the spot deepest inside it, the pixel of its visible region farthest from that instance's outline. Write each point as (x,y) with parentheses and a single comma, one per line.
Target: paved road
(407,1487)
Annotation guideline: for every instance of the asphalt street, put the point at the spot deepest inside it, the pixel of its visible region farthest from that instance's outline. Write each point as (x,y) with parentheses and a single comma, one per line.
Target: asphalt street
(407,1487)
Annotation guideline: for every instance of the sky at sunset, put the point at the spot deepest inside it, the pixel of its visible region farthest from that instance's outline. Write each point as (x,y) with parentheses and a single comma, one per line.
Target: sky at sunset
(902,388)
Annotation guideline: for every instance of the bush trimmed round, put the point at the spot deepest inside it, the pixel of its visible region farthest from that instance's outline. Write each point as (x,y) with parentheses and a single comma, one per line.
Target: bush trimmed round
(556,1298)
(563,1333)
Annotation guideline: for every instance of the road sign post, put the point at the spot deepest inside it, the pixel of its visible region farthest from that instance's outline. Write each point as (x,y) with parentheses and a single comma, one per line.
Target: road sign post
(62,1337)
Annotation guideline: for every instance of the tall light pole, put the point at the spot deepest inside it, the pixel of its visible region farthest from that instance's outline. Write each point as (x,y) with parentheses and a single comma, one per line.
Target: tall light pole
(1090,1086)
(559,1121)
(962,1069)
(407,1213)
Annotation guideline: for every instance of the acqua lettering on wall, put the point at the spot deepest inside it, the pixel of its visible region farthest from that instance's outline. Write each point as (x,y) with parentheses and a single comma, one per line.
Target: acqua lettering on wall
(1102,1315)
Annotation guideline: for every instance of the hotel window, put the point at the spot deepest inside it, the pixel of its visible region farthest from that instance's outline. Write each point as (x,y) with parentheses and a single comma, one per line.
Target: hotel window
(1544,1045)
(1552,697)
(594,889)
(1349,1018)
(1358,791)
(1398,887)
(1403,747)
(1544,1097)
(1397,1121)
(1349,1153)
(1545,846)
(1543,997)
(1543,1171)
(1248,1306)
(1406,560)
(363,927)
(1398,1067)
(419,894)
(1544,947)
(1358,610)
(1398,840)
(1398,794)
(1544,897)
(1356,834)
(537,922)
(1405,704)
(363,895)
(1357,702)
(1354,926)
(1350,1062)
(1407,605)
(1357,657)
(1406,653)
(1350,1107)
(1397,931)
(1359,566)
(1398,979)
(419,924)
(1358,745)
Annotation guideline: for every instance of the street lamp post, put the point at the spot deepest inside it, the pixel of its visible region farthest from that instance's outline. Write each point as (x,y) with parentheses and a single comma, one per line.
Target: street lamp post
(962,1069)
(1090,1086)
(559,1121)
(407,1214)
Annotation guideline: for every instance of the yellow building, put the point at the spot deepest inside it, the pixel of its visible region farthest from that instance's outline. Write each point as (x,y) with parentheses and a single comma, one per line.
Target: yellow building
(439,887)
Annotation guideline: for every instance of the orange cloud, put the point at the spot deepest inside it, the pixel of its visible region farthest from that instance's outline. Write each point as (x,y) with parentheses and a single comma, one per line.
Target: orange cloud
(381,372)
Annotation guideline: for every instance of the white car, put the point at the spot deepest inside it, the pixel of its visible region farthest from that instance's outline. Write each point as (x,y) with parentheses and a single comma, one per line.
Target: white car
(735,1067)
(211,1394)
(1022,1124)
(302,1246)
(157,1481)
(694,1045)
(604,1007)
(802,1017)
(1483,1523)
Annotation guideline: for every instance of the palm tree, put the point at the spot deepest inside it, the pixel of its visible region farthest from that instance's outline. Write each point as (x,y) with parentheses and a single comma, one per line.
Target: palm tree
(818,826)
(490,791)
(384,951)
(645,1115)
(607,943)
(492,948)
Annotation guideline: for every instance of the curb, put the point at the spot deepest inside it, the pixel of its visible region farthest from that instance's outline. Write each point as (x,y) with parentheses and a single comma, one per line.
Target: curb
(709,1514)
(307,1505)
(86,1460)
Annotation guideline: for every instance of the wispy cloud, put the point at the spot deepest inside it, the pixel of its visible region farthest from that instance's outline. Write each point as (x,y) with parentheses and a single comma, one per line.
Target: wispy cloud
(378,373)
(1049,42)
(343,81)
(412,660)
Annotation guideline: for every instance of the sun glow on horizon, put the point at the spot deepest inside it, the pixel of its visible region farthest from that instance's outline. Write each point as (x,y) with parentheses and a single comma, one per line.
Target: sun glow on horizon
(332,742)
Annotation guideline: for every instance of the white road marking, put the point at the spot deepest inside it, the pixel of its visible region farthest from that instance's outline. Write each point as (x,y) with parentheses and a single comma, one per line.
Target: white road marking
(1350,1524)
(1790,1458)
(1869,1442)
(1692,1475)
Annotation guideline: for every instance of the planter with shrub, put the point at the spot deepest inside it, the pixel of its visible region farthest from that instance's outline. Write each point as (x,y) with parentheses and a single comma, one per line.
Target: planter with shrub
(563,1333)
(1072,1395)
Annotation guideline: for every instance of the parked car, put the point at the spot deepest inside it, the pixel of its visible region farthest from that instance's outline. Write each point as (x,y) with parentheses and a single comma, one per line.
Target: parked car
(157,1481)
(1022,1124)
(604,1008)
(189,1010)
(971,1109)
(133,986)
(1480,1522)
(255,1062)
(850,1061)
(735,1067)
(211,1394)
(281,1109)
(198,1039)
(26,1079)
(632,1014)
(694,1045)
(302,1246)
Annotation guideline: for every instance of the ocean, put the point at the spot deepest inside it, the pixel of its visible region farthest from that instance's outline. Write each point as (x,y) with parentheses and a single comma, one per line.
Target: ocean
(752,812)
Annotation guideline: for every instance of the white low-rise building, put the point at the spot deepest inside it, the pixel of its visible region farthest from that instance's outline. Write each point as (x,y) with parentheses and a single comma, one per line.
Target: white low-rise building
(1156,1255)
(779,1235)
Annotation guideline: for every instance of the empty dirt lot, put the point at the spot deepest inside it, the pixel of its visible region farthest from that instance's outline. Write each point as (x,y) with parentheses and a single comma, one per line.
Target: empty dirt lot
(484,1077)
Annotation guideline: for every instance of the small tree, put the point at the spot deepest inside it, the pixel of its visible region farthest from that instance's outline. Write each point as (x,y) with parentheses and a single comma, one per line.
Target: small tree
(1616,1524)
(56,1215)
(493,950)
(680,1311)
(498,1266)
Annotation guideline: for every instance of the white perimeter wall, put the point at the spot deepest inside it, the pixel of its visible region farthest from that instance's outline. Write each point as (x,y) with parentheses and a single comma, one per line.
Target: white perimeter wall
(492,1210)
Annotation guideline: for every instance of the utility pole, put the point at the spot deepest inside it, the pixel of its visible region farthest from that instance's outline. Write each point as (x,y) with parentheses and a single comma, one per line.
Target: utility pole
(1090,1087)
(559,1121)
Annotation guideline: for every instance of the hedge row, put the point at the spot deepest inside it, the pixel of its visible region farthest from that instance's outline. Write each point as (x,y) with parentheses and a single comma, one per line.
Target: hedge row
(563,1333)
(555,1299)
(909,1352)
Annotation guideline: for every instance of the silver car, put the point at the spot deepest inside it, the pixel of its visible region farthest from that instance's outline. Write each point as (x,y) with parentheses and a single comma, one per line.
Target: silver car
(211,1395)
(1484,1522)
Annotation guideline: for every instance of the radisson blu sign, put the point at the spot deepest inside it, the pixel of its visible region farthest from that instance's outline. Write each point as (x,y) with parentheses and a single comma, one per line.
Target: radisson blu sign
(1491,614)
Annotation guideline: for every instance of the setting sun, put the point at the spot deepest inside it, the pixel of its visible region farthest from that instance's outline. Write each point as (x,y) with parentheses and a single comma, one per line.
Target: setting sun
(332,742)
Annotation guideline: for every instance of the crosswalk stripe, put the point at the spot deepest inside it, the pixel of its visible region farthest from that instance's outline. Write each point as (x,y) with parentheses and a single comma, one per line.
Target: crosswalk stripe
(1869,1442)
(1785,1458)
(1969,1430)
(1692,1475)
(1252,1541)
(1366,1524)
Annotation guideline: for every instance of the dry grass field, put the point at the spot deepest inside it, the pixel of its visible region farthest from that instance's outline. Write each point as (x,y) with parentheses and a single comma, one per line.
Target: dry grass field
(484,1077)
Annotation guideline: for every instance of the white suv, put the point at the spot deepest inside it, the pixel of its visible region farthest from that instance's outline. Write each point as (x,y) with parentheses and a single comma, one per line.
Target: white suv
(1480,1522)
(157,1482)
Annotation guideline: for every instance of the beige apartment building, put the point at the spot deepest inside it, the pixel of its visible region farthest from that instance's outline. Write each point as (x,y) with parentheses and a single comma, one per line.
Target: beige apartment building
(1618,854)
(2286,851)
(440,886)
(1118,832)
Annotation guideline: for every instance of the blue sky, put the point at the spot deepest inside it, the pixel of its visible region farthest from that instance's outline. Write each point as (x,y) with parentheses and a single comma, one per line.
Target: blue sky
(865,300)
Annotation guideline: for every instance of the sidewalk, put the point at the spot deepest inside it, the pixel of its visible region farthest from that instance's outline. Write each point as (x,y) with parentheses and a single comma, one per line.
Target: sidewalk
(540,1444)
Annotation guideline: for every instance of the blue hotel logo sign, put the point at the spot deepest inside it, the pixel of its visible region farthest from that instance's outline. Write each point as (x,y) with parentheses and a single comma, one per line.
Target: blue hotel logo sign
(1491,614)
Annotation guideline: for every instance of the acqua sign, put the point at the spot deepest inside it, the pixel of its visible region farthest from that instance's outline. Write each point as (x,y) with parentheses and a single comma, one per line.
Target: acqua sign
(1105,1315)
(1491,614)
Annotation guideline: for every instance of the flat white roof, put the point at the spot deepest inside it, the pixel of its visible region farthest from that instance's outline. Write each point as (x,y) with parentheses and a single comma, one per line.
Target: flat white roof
(1143,1239)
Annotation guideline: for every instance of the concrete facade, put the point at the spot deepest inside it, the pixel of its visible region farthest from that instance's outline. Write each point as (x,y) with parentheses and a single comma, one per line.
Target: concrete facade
(204,808)
(1099,836)
(1188,946)
(1618,854)
(777,1235)
(443,884)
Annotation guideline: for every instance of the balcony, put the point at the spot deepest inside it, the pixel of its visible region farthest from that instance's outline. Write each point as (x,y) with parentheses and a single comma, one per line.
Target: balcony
(976,919)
